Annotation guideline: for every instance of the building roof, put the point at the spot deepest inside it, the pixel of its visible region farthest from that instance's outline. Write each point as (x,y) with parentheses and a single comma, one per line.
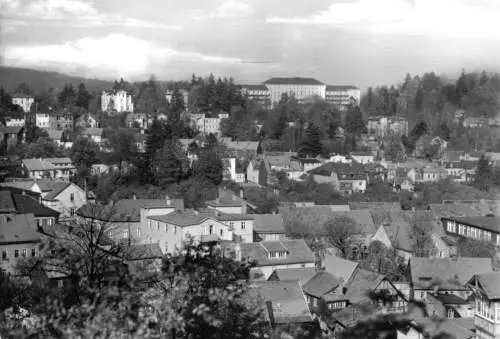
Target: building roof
(92,131)
(302,274)
(456,272)
(58,188)
(297,252)
(143,252)
(190,217)
(321,284)
(27,204)
(6,202)
(490,284)
(489,223)
(259,87)
(334,88)
(361,284)
(460,210)
(242,145)
(375,205)
(41,164)
(10,129)
(339,267)
(292,81)
(126,210)
(450,299)
(18,228)
(339,168)
(268,223)
(55,134)
(227,198)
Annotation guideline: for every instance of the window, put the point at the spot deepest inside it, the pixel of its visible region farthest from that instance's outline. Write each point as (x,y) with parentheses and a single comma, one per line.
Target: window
(72,211)
(33,252)
(72,197)
(25,252)
(125,234)
(461,229)
(210,229)
(157,226)
(243,225)
(221,232)
(166,228)
(138,232)
(4,254)
(450,313)
(422,294)
(16,253)
(231,224)
(50,221)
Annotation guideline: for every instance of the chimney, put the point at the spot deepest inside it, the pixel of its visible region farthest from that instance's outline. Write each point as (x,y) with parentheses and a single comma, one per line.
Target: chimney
(168,200)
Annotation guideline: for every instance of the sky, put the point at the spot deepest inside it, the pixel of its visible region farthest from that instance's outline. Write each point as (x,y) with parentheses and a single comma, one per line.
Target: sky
(339,42)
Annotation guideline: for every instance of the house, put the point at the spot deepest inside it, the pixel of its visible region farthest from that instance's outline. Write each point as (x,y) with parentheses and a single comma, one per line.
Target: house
(258,93)
(18,239)
(346,178)
(17,201)
(138,120)
(48,168)
(421,328)
(116,101)
(243,149)
(284,302)
(272,255)
(340,158)
(433,174)
(173,230)
(56,135)
(63,197)
(87,120)
(125,218)
(446,305)
(95,134)
(253,172)
(61,120)
(444,275)
(475,122)
(304,164)
(23,101)
(382,126)
(143,258)
(484,228)
(100,169)
(268,227)
(231,172)
(486,287)
(14,119)
(362,157)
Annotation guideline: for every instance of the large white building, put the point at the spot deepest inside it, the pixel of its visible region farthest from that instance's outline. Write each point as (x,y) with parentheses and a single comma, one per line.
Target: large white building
(118,101)
(24,101)
(300,88)
(208,125)
(342,96)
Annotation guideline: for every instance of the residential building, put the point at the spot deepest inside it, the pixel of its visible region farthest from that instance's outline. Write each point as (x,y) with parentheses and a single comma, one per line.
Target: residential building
(346,178)
(87,120)
(284,303)
(257,93)
(95,134)
(11,135)
(23,101)
(62,119)
(444,275)
(116,101)
(362,157)
(208,124)
(172,231)
(341,97)
(184,93)
(299,88)
(228,202)
(484,228)
(56,135)
(272,255)
(242,149)
(54,168)
(445,305)
(14,119)
(433,174)
(65,198)
(19,239)
(230,171)
(426,142)
(475,122)
(302,165)
(42,119)
(387,126)
(138,120)
(486,289)
(23,202)
(268,227)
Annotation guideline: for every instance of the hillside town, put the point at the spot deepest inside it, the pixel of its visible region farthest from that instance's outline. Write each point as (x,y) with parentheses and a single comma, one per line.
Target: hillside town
(342,210)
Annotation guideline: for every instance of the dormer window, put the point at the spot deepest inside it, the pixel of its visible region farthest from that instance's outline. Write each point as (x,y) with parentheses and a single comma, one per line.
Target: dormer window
(277,254)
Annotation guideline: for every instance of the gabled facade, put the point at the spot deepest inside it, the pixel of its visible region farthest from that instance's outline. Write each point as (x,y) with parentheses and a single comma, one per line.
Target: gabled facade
(65,198)
(486,289)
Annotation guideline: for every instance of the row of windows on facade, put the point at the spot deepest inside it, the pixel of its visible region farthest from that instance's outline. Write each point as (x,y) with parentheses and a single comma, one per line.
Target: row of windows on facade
(471,232)
(19,253)
(156,224)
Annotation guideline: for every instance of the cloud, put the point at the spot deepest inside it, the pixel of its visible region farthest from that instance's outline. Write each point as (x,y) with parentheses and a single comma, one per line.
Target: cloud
(460,18)
(114,55)
(69,13)
(229,9)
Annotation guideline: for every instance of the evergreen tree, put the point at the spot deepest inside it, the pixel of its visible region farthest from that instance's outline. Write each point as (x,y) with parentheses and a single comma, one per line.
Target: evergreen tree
(281,124)
(177,104)
(483,80)
(354,120)
(170,164)
(369,97)
(484,175)
(462,86)
(419,98)
(82,97)
(67,96)
(311,143)
(209,166)
(444,131)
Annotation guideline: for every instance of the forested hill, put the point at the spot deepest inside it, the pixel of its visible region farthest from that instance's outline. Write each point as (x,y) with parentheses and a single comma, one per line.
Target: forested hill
(11,77)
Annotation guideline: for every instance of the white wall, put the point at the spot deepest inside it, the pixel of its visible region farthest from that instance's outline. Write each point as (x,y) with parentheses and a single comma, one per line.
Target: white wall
(268,270)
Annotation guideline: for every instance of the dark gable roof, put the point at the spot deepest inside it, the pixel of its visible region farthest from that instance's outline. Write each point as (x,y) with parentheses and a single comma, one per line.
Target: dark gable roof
(302,274)
(26,204)
(126,210)
(268,223)
(454,272)
(321,284)
(298,252)
(18,228)
(360,284)
(259,87)
(6,202)
(450,299)
(10,129)
(143,252)
(487,223)
(57,189)
(339,168)
(293,81)
(490,284)
(339,267)
(334,88)
(193,217)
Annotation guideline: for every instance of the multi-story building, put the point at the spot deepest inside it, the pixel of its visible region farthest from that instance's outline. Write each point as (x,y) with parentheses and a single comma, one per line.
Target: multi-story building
(54,168)
(42,120)
(300,88)
(24,101)
(61,120)
(477,227)
(117,101)
(15,119)
(258,93)
(184,93)
(486,289)
(387,126)
(208,124)
(341,97)
(346,178)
